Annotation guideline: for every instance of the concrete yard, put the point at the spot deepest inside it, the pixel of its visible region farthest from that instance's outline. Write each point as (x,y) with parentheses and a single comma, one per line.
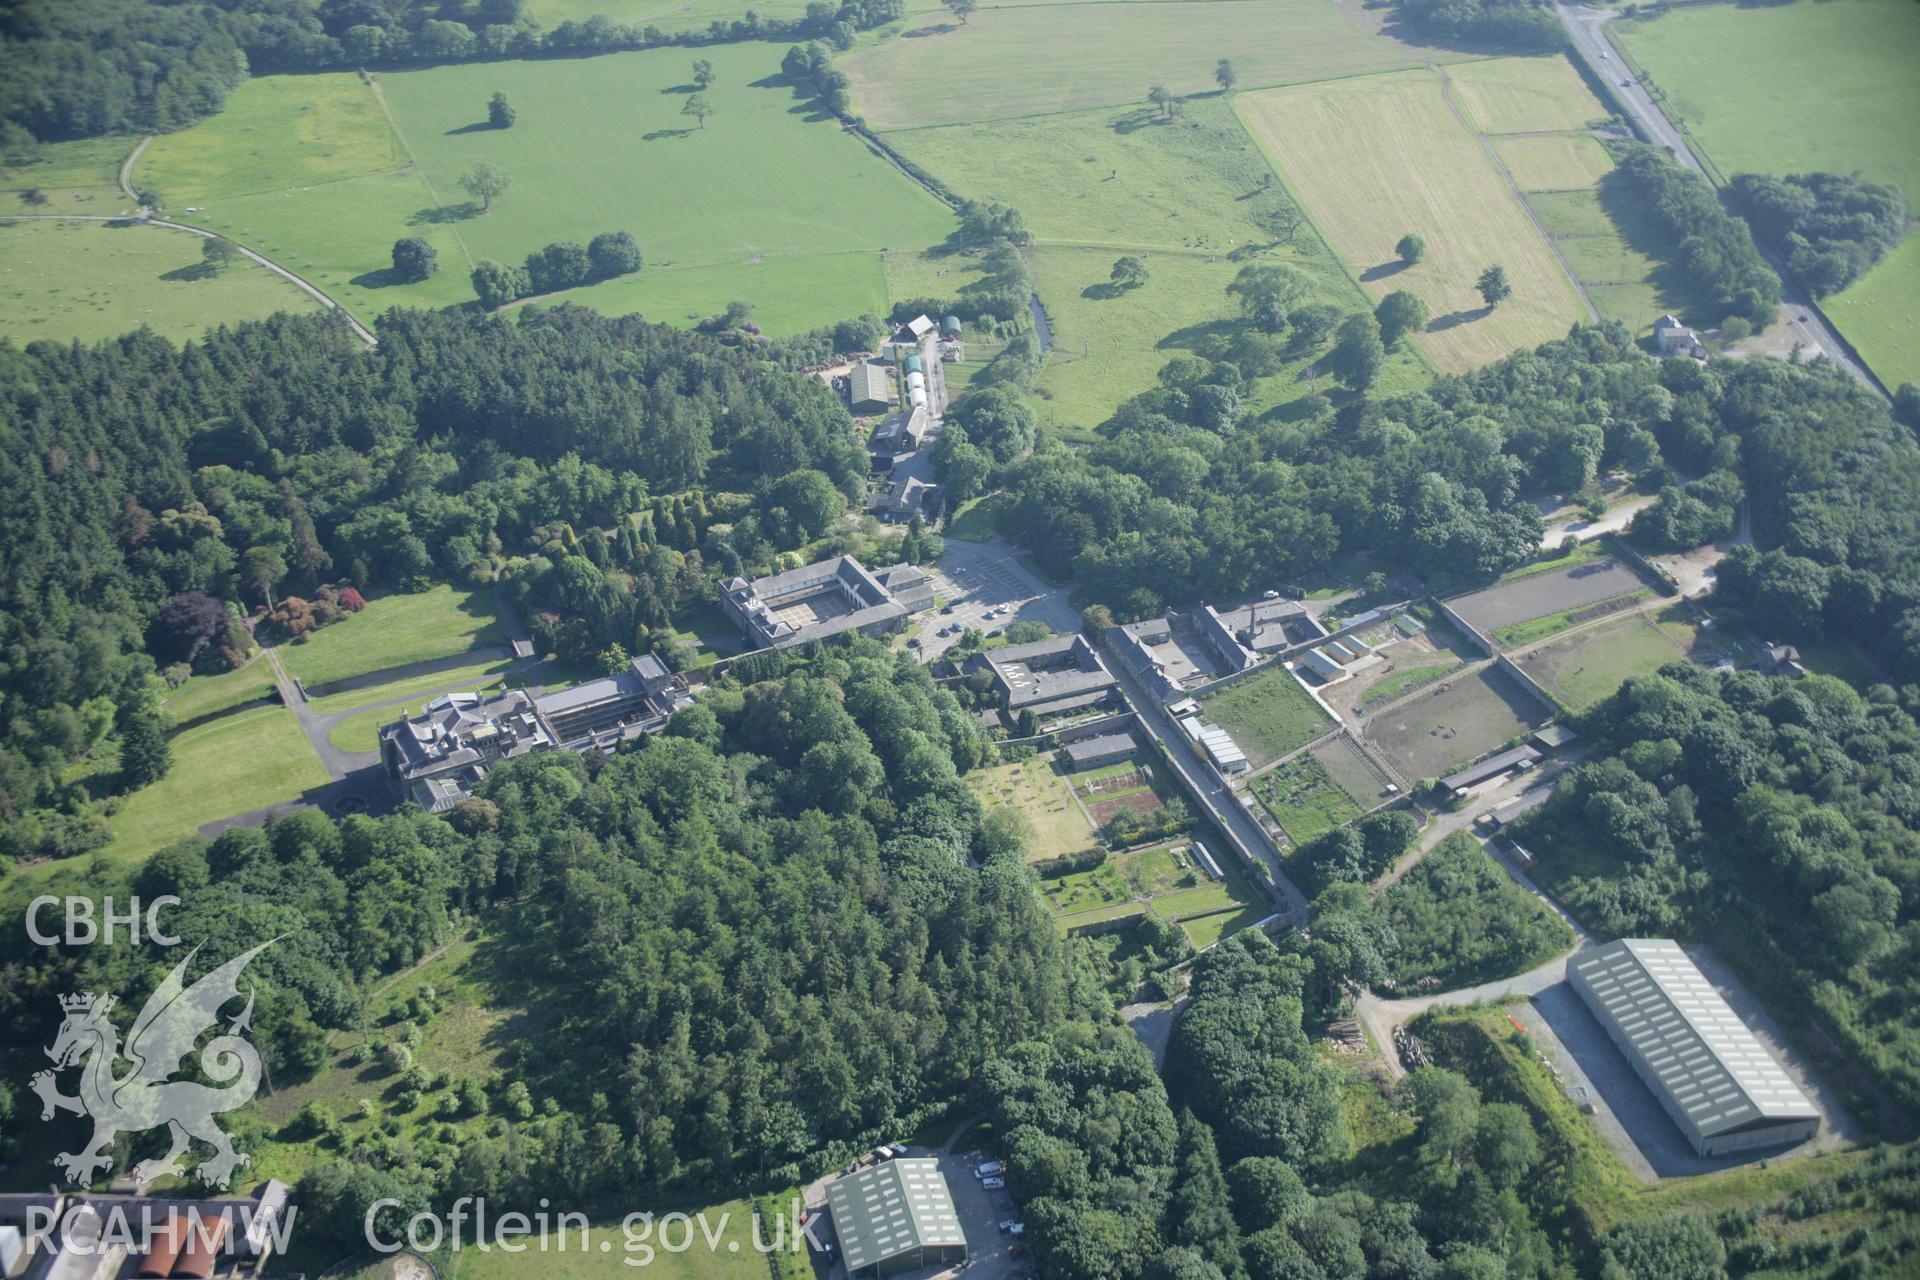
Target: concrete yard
(1539,594)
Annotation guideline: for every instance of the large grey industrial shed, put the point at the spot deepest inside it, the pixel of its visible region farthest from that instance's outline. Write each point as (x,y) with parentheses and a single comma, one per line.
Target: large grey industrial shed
(896,1216)
(1717,1081)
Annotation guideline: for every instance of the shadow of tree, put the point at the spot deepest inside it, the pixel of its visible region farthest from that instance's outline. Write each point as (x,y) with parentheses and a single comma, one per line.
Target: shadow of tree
(445,213)
(937,29)
(681,88)
(478,126)
(1391,267)
(1105,290)
(1454,319)
(380,279)
(190,273)
(659,134)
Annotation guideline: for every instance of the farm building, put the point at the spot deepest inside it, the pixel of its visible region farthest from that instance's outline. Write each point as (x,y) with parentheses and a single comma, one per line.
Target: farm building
(896,1216)
(824,599)
(1671,338)
(869,389)
(1711,1074)
(1060,673)
(1781,660)
(1458,784)
(1554,736)
(1219,745)
(1108,748)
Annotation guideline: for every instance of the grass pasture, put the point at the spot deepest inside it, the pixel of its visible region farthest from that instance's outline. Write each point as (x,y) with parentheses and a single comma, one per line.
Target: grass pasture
(1040,59)
(1454,723)
(1554,161)
(394,630)
(1524,95)
(228,765)
(203,697)
(70,177)
(1375,157)
(1268,715)
(1056,825)
(1880,313)
(61,280)
(311,171)
(1583,668)
(1181,195)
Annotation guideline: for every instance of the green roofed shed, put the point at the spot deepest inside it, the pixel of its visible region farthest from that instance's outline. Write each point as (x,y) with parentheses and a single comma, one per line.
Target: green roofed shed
(869,390)
(896,1216)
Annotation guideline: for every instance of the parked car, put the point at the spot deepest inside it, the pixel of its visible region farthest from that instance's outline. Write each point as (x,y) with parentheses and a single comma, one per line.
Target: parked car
(993,1184)
(989,1169)
(898,1148)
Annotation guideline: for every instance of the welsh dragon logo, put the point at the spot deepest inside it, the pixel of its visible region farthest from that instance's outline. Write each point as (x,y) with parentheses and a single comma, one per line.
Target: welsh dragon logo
(146,1096)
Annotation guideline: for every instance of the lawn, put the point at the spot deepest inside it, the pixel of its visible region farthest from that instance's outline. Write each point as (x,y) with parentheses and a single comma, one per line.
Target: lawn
(1534,630)
(1880,314)
(1042,59)
(1180,195)
(1838,92)
(1454,723)
(1168,880)
(393,630)
(1304,799)
(203,696)
(1268,714)
(227,766)
(1583,668)
(1032,786)
(71,177)
(1376,157)
(1524,95)
(93,280)
(309,170)
(1405,680)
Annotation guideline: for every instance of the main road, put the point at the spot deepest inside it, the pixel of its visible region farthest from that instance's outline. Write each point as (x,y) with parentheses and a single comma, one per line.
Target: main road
(1585,27)
(1205,784)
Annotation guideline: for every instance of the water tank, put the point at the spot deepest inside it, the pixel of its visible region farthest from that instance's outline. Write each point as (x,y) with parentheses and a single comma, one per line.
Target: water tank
(917,380)
(918,395)
(950,327)
(911,364)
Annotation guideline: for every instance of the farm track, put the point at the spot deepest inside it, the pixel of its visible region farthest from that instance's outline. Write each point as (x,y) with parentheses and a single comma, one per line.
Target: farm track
(373,83)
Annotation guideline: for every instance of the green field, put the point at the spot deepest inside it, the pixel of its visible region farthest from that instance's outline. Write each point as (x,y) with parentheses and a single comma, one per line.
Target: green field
(227,766)
(604,1254)
(1046,58)
(310,171)
(393,630)
(1304,799)
(1852,108)
(1583,668)
(1166,880)
(89,280)
(1375,157)
(1268,714)
(70,177)
(669,15)
(1880,314)
(203,696)
(1181,196)
(1524,95)
(1791,88)
(1554,161)
(1056,826)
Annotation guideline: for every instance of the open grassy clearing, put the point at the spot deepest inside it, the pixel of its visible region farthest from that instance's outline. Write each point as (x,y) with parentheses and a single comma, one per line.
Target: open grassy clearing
(228,765)
(1039,59)
(204,696)
(1454,723)
(90,280)
(1554,161)
(1880,313)
(1167,880)
(393,630)
(1268,714)
(70,177)
(1524,95)
(308,170)
(605,1253)
(1583,668)
(1035,788)
(1304,799)
(1791,88)
(1181,195)
(1375,157)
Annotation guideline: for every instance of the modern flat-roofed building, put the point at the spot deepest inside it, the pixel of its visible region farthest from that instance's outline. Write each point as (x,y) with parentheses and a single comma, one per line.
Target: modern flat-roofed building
(825,599)
(1720,1085)
(896,1216)
(1060,673)
(1219,745)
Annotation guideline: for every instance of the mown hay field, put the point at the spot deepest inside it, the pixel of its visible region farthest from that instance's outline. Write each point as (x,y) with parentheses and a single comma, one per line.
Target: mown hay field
(1554,161)
(1524,95)
(1376,157)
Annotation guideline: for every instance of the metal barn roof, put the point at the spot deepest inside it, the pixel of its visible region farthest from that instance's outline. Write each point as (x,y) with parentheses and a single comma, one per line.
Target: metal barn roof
(892,1208)
(1715,1072)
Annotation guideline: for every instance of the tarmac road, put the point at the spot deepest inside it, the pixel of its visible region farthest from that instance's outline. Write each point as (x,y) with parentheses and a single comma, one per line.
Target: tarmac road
(1585,27)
